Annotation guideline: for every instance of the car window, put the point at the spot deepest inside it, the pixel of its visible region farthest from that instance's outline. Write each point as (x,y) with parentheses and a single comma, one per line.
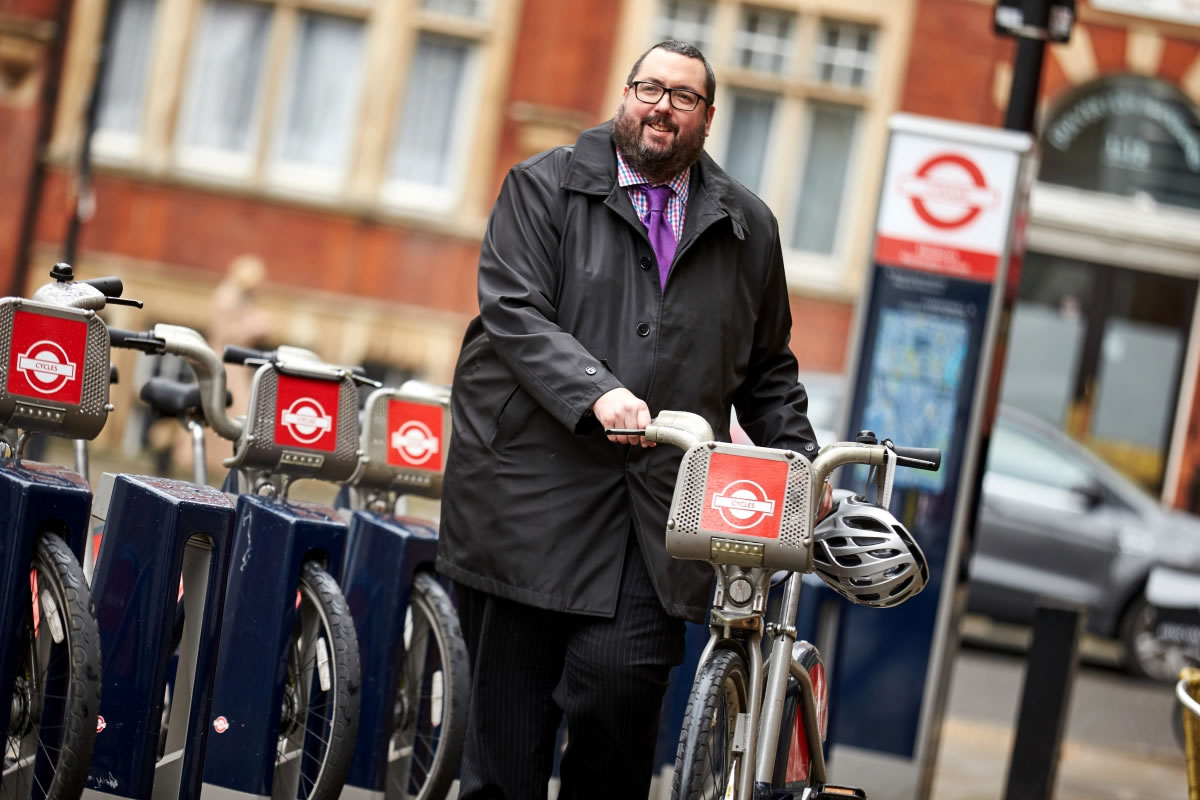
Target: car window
(1020,455)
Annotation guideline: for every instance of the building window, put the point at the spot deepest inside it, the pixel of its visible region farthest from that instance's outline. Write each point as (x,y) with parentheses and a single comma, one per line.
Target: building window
(221,99)
(764,39)
(330,99)
(119,123)
(830,151)
(686,20)
(312,143)
(433,117)
(845,54)
(753,114)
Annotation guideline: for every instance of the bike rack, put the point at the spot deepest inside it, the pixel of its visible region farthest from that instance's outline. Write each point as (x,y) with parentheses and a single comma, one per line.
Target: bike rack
(33,497)
(274,538)
(155,531)
(378,600)
(405,436)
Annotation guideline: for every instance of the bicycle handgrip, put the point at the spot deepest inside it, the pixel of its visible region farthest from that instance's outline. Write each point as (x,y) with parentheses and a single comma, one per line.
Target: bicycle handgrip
(928,458)
(110,286)
(236,354)
(146,341)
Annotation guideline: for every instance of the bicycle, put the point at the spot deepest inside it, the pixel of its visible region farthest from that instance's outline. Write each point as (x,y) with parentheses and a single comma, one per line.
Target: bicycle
(754,727)
(56,378)
(295,609)
(410,743)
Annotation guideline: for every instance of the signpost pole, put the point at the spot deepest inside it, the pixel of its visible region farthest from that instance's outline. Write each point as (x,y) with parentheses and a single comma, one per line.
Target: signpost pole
(1027,71)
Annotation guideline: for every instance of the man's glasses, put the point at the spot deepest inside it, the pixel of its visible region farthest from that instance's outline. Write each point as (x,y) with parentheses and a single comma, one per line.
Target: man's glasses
(682,99)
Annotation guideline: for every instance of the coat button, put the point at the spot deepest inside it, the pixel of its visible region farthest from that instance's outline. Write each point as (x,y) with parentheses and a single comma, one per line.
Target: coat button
(590,370)
(645,263)
(643,329)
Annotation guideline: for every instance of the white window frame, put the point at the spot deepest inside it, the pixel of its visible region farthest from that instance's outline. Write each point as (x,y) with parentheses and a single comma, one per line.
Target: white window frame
(413,195)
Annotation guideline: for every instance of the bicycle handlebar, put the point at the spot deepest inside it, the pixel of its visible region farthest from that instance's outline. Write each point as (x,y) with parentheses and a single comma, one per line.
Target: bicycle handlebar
(92,294)
(686,430)
(235,354)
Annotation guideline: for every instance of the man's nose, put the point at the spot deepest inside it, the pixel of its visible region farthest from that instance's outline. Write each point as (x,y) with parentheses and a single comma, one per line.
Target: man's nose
(664,103)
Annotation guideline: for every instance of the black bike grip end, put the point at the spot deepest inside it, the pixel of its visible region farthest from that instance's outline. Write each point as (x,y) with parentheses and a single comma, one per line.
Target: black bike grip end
(235,354)
(110,286)
(928,458)
(132,340)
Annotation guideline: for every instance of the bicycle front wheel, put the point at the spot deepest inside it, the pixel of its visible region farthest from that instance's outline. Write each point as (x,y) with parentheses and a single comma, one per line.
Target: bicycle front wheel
(320,695)
(705,764)
(431,699)
(56,693)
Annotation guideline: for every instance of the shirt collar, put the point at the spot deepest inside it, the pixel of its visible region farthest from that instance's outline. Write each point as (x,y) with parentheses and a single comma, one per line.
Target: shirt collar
(628,176)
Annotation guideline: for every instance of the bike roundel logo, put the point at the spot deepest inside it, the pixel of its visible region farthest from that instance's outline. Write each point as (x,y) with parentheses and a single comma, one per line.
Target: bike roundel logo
(220,724)
(414,435)
(46,357)
(744,495)
(100,724)
(306,413)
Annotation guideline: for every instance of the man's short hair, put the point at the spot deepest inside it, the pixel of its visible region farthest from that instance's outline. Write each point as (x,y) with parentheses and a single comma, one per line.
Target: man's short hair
(683,49)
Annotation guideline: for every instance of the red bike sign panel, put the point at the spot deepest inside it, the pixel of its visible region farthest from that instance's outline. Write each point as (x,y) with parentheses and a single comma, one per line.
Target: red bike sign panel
(744,495)
(46,360)
(415,435)
(306,411)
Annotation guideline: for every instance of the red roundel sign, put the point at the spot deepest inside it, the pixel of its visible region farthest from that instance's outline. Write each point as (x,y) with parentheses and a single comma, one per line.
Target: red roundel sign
(949,191)
(46,360)
(415,435)
(744,495)
(306,413)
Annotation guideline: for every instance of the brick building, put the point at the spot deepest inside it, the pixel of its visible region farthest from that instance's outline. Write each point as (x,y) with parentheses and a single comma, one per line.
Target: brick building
(356,146)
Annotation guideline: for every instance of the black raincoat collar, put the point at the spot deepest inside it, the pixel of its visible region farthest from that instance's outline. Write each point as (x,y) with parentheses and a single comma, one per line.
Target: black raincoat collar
(593,170)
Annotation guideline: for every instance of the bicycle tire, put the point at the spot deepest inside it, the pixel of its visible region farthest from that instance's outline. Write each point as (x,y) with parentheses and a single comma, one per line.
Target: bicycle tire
(56,693)
(432,726)
(321,696)
(704,761)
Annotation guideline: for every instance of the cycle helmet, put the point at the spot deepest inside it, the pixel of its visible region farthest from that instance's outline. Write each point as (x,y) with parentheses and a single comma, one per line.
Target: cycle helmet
(867,556)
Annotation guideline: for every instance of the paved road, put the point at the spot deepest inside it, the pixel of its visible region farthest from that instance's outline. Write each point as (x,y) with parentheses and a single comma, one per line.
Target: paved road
(1118,746)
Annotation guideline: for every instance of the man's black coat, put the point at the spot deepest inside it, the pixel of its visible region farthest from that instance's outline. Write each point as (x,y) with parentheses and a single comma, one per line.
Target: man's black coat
(537,503)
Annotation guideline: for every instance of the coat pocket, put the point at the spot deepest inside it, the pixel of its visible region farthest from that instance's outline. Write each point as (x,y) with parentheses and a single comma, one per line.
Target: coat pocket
(514,414)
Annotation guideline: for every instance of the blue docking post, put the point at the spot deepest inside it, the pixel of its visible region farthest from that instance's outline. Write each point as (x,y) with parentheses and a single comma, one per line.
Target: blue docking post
(33,497)
(156,530)
(273,540)
(382,555)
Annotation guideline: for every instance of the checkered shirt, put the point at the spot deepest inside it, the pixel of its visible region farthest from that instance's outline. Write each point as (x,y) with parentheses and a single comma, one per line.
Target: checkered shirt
(676,206)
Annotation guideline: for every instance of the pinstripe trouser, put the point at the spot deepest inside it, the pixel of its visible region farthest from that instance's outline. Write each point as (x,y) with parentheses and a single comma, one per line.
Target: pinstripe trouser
(531,666)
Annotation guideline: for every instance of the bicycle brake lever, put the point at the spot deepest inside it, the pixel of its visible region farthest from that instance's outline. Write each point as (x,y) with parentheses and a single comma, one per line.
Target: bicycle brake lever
(624,431)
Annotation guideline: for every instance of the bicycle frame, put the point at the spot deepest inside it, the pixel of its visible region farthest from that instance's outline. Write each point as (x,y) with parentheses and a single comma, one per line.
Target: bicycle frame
(748,511)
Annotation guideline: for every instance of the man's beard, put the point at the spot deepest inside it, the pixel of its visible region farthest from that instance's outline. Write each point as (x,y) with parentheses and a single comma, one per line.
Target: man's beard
(658,166)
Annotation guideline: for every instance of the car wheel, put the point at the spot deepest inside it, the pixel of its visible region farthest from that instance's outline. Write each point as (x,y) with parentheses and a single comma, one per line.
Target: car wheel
(1145,654)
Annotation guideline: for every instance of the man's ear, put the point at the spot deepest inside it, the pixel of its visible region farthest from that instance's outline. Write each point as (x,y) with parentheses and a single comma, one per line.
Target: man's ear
(708,116)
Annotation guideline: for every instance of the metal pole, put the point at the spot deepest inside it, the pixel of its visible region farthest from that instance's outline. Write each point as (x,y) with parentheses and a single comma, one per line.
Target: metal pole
(83,189)
(1027,71)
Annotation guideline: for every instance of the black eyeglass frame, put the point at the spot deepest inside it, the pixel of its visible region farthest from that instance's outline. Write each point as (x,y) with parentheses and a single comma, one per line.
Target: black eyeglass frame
(671,93)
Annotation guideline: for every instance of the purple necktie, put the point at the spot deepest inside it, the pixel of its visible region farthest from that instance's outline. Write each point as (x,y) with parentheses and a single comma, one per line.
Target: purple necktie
(662,239)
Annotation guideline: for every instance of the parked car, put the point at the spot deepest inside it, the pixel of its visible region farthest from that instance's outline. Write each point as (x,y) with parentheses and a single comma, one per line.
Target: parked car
(1057,523)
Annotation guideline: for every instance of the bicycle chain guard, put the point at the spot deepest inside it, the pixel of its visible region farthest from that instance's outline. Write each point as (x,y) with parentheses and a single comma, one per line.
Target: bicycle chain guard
(302,423)
(56,369)
(748,506)
(405,440)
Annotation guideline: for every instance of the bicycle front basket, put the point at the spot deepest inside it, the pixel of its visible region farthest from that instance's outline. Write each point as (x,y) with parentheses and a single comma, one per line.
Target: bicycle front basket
(748,506)
(405,439)
(56,369)
(302,422)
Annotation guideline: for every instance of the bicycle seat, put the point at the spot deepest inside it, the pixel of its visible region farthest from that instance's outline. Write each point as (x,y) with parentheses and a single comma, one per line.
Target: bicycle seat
(172,398)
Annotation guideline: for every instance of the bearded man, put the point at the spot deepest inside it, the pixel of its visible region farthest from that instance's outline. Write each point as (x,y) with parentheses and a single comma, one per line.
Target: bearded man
(619,277)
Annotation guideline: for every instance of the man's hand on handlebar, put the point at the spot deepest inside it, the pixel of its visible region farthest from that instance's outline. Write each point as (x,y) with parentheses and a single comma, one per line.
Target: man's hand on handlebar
(620,408)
